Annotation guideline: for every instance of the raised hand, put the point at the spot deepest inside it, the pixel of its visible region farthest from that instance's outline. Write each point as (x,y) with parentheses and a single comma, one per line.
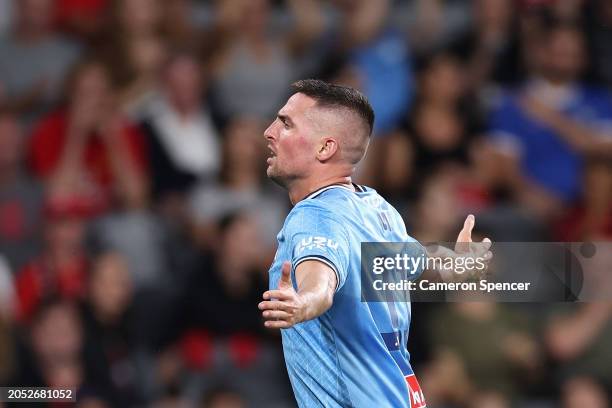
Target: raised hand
(466,247)
(464,239)
(283,307)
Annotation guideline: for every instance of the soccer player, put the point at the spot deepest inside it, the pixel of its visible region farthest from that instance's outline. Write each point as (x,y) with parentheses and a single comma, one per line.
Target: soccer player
(339,351)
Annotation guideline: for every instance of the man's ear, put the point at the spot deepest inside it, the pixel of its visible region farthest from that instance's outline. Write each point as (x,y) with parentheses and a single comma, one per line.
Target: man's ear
(327,148)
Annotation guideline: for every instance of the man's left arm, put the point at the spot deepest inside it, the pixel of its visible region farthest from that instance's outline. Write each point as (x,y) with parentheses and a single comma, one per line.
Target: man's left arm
(285,307)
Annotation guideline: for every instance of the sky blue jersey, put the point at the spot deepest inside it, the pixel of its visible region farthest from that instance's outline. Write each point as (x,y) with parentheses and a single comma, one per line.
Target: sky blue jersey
(353,355)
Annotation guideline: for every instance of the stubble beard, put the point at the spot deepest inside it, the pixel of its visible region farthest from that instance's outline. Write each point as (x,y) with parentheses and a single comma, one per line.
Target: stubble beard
(279,177)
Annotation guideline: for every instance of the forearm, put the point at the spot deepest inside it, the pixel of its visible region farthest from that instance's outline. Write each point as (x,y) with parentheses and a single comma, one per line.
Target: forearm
(285,307)
(569,337)
(131,183)
(316,286)
(68,170)
(581,137)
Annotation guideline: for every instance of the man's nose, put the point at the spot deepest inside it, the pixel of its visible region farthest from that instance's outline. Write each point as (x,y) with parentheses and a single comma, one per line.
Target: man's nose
(269,133)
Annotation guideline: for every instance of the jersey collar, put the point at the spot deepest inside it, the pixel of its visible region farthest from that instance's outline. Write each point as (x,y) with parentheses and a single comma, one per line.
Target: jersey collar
(315,193)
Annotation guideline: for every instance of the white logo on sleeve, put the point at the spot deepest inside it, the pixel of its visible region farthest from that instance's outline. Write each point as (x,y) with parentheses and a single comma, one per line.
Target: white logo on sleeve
(315,242)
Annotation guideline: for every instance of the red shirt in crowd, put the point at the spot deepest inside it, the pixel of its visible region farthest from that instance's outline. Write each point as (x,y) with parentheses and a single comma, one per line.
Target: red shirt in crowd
(49,139)
(39,280)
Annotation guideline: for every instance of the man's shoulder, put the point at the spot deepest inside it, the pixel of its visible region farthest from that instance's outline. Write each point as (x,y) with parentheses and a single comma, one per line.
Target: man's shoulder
(334,202)
(313,207)
(324,212)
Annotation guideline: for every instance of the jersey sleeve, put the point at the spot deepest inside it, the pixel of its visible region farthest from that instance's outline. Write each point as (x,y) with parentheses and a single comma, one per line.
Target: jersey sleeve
(315,234)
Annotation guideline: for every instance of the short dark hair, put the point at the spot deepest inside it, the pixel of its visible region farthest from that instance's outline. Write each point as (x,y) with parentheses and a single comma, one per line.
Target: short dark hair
(327,94)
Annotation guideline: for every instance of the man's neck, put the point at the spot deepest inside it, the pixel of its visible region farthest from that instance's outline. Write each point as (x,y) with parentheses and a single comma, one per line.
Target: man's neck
(303,188)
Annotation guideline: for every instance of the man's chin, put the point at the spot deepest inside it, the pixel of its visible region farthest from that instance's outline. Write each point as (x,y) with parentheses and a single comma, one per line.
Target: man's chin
(275,177)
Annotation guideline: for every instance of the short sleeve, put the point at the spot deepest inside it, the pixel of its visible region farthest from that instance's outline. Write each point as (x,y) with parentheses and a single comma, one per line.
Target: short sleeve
(314,233)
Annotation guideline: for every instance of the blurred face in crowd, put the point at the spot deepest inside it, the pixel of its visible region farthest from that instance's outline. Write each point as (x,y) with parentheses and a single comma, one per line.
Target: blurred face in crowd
(111,286)
(56,334)
(146,54)
(564,55)
(240,253)
(240,239)
(256,15)
(92,88)
(139,16)
(438,129)
(438,208)
(65,234)
(291,140)
(183,83)
(10,142)
(36,15)
(243,145)
(493,13)
(443,80)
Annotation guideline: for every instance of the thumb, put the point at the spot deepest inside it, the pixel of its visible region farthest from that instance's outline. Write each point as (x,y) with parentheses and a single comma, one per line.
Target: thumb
(465,235)
(285,279)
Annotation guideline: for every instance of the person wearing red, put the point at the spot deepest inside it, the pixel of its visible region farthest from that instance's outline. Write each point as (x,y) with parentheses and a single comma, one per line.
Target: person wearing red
(87,152)
(60,271)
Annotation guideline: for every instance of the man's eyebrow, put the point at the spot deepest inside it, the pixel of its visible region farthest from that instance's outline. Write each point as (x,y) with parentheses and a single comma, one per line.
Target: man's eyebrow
(284,118)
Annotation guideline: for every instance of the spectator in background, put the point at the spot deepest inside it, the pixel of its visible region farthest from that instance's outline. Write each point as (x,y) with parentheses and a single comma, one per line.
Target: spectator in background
(437,132)
(184,146)
(21,198)
(230,345)
(578,338)
(84,19)
(252,65)
(52,353)
(240,188)
(134,49)
(479,346)
(544,130)
(490,48)
(374,57)
(35,60)
(60,270)
(228,278)
(437,210)
(178,24)
(110,331)
(87,152)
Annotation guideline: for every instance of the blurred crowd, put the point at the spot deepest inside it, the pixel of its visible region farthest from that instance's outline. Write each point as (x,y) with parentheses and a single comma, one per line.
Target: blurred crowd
(137,226)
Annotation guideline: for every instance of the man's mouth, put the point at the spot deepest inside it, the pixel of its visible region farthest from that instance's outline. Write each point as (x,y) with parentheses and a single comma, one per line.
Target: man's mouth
(272,155)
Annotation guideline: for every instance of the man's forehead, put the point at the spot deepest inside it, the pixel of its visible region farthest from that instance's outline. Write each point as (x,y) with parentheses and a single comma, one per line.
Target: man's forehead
(297,103)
